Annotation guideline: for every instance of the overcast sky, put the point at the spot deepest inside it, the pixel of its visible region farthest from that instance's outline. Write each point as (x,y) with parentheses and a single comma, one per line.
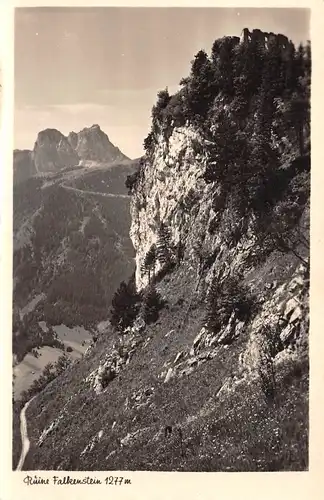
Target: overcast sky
(78,66)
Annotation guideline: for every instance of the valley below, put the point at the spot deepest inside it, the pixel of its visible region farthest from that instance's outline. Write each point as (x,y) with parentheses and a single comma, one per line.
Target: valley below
(33,365)
(100,189)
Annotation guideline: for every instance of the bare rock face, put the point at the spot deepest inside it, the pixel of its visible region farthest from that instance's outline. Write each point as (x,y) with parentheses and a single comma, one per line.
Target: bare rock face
(53,152)
(23,165)
(92,144)
(175,172)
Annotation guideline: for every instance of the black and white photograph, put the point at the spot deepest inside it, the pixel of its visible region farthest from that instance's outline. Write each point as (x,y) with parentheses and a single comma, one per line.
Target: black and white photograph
(161,239)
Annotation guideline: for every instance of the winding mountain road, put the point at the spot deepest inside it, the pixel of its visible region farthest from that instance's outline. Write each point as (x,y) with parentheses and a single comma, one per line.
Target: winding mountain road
(83,191)
(25,443)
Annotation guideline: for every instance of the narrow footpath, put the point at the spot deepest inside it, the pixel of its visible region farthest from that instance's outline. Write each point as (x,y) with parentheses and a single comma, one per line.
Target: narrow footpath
(25,443)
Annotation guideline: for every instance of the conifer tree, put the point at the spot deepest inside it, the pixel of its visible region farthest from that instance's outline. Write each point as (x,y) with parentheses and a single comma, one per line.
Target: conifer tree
(300,62)
(223,60)
(201,89)
(249,69)
(297,115)
(149,142)
(225,298)
(125,305)
(273,74)
(163,246)
(163,99)
(149,262)
(152,304)
(308,59)
(264,159)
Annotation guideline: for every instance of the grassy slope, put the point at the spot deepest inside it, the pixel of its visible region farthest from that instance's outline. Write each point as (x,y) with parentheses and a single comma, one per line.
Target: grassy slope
(238,431)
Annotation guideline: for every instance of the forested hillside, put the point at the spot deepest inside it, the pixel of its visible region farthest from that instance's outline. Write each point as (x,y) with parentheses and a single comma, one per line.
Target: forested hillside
(69,252)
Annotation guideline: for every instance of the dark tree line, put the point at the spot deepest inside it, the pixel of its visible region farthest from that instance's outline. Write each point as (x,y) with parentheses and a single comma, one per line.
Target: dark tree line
(51,371)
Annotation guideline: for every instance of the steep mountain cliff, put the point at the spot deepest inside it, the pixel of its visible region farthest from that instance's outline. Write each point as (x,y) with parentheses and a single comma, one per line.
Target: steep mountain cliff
(204,365)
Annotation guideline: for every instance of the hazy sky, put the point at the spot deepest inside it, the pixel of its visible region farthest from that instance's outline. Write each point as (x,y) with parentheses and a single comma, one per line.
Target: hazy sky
(78,66)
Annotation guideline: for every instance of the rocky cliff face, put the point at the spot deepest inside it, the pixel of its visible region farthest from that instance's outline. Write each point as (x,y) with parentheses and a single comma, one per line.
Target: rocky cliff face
(168,195)
(171,194)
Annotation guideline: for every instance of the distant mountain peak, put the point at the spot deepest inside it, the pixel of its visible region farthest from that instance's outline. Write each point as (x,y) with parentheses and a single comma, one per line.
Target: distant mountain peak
(53,151)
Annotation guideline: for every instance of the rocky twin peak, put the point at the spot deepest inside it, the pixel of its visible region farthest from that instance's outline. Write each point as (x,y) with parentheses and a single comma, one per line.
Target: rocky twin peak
(53,152)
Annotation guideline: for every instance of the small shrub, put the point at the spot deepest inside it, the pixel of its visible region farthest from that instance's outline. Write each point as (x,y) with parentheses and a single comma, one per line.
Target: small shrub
(162,273)
(268,344)
(176,110)
(208,260)
(180,251)
(213,225)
